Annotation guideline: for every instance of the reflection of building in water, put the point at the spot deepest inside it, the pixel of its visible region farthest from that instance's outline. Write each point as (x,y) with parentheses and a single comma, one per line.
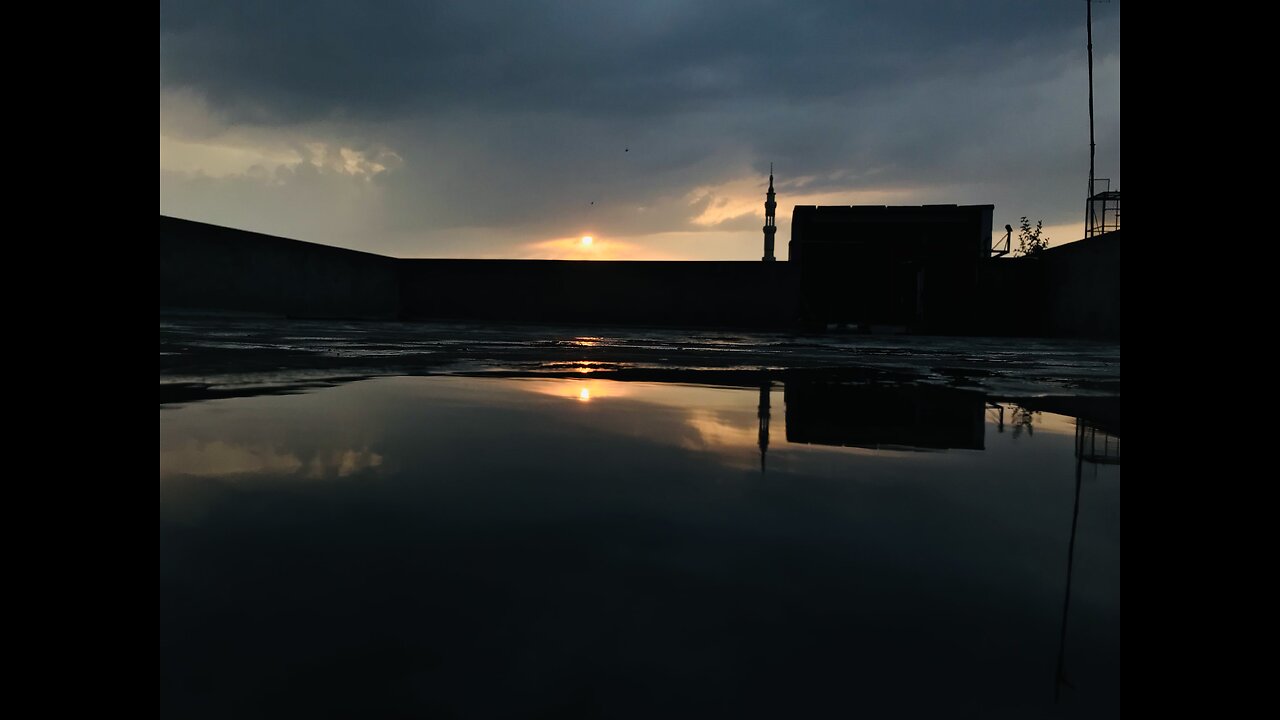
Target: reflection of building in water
(763,414)
(874,416)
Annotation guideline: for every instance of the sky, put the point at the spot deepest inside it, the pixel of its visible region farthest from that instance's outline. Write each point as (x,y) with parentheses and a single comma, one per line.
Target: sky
(513,129)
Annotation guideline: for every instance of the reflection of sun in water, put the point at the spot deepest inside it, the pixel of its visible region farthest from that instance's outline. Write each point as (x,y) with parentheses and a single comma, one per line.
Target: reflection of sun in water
(587,240)
(581,390)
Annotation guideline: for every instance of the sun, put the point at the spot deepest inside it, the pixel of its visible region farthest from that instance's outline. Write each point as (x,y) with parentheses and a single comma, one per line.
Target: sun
(584,395)
(587,240)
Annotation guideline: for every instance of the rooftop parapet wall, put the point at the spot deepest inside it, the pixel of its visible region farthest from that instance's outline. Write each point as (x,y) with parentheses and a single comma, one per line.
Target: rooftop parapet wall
(210,268)
(1072,290)
(1082,287)
(731,294)
(207,267)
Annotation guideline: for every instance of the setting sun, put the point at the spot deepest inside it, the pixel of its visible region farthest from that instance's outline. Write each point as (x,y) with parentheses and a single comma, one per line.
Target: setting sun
(587,240)
(584,395)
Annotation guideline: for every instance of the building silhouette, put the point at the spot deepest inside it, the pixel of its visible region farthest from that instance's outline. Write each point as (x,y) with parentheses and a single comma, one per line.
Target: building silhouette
(925,269)
(900,266)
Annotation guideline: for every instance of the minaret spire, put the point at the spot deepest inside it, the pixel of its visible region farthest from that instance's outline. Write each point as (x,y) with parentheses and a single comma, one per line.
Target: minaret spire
(770,225)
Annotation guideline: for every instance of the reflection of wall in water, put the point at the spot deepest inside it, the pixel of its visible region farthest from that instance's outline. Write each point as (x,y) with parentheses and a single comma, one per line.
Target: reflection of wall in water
(873,416)
(1097,424)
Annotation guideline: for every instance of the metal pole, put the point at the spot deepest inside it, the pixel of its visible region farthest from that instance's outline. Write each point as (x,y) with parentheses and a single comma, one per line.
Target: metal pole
(1071,553)
(1088,213)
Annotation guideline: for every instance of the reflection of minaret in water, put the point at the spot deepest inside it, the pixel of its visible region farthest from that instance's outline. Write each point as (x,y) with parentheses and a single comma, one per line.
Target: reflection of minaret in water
(770,225)
(763,414)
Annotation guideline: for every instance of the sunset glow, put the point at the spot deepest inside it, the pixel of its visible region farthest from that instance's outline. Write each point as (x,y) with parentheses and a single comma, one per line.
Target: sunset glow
(592,247)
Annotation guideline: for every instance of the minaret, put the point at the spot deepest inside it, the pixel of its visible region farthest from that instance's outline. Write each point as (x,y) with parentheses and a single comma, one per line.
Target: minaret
(770,227)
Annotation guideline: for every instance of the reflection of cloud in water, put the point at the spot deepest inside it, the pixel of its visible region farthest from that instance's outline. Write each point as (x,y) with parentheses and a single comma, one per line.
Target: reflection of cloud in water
(718,421)
(218,458)
(714,432)
(346,462)
(732,438)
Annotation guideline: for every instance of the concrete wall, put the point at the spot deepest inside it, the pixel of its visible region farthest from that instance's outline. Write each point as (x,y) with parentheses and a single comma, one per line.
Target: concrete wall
(1013,301)
(1069,291)
(1082,284)
(748,293)
(207,267)
(210,268)
(1072,290)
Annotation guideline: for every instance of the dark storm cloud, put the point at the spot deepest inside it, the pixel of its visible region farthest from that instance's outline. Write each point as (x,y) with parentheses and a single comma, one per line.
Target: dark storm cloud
(516,115)
(296,61)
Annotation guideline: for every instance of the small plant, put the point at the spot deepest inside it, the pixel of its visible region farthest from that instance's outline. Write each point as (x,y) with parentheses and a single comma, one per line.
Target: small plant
(1023,419)
(1030,241)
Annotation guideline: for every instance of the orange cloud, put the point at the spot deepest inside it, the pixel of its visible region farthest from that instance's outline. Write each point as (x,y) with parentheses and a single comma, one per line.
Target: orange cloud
(745,196)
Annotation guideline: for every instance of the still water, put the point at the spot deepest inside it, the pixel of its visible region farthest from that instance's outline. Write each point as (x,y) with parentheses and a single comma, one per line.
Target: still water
(480,547)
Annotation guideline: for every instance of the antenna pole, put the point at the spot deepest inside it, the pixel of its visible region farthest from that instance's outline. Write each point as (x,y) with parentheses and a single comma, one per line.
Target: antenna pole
(1088,215)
